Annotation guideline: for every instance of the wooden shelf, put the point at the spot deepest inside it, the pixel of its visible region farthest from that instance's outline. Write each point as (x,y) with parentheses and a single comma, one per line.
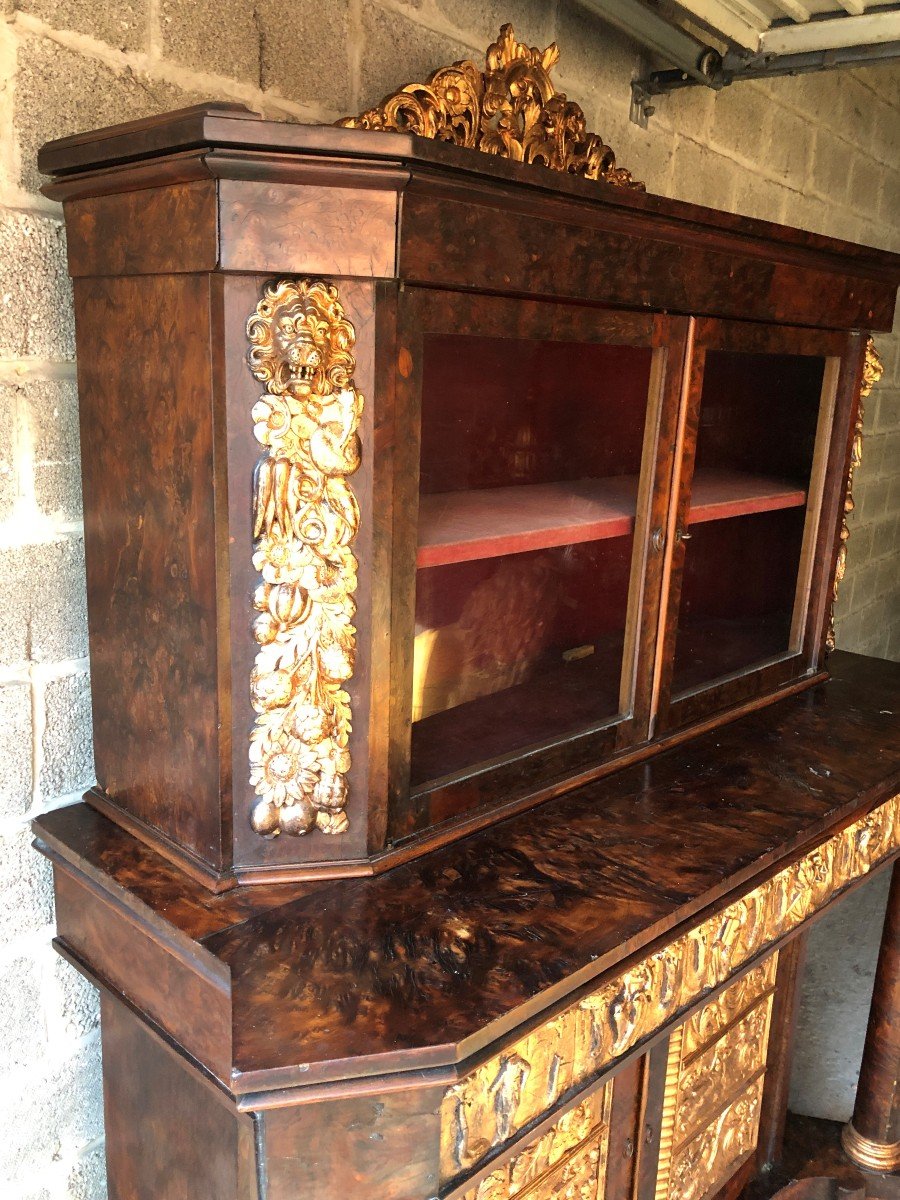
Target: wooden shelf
(461,526)
(558,699)
(718,494)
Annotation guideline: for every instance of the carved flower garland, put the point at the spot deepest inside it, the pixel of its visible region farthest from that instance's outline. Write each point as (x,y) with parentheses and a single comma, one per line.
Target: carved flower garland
(305,518)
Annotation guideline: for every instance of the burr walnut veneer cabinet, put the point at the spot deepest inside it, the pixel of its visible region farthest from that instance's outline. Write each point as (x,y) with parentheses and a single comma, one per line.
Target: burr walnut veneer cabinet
(462,525)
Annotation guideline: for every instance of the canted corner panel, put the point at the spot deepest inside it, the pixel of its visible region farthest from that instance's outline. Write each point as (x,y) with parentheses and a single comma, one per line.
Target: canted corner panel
(305,520)
(514,1088)
(569,1160)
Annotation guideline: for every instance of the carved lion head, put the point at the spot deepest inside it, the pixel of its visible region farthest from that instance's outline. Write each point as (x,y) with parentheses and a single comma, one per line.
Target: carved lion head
(301,342)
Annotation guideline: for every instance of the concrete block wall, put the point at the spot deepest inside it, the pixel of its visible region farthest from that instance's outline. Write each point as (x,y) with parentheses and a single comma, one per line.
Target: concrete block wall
(816,152)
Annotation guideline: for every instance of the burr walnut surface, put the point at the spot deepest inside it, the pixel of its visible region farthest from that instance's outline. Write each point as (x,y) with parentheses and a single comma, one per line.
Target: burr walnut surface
(433,960)
(522,974)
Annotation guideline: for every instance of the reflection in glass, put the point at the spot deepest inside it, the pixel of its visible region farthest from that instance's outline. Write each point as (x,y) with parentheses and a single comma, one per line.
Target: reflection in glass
(756,440)
(531,452)
(515,650)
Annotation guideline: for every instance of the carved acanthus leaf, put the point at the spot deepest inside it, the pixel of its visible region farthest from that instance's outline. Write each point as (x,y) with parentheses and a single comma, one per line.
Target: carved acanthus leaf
(510,109)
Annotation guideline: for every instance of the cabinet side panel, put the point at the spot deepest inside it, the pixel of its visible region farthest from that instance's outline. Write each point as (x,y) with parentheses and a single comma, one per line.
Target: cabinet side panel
(168,1133)
(145,392)
(158,978)
(383,1145)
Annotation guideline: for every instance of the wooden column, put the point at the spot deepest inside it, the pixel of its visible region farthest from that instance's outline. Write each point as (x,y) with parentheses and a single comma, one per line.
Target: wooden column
(872,1138)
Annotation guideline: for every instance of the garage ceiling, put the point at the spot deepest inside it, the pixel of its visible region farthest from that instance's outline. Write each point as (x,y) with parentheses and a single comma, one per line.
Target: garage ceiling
(795,26)
(720,42)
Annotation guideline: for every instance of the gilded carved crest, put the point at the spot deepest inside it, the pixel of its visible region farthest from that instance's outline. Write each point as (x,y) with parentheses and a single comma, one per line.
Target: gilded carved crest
(510,109)
(305,518)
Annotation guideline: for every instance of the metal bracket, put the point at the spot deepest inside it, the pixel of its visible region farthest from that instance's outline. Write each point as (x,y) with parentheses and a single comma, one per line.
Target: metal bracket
(642,106)
(717,72)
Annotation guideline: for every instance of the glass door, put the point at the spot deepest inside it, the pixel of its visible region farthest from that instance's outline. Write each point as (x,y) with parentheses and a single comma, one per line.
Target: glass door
(747,529)
(536,494)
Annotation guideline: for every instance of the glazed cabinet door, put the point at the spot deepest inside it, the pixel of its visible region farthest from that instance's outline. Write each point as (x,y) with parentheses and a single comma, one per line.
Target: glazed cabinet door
(529,500)
(760,460)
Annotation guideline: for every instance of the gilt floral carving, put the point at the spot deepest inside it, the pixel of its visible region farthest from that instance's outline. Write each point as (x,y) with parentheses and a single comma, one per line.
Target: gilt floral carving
(873,369)
(510,109)
(305,518)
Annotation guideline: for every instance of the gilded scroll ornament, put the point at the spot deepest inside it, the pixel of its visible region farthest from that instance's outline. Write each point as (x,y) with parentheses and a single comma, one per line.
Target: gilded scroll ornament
(305,518)
(873,369)
(507,1092)
(510,109)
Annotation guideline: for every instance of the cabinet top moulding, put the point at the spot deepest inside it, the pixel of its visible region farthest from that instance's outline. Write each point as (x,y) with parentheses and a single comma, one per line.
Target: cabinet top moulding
(216,187)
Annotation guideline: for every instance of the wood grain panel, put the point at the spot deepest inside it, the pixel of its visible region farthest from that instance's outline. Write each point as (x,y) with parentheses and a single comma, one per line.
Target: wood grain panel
(384,1146)
(585,255)
(190,1000)
(306,230)
(155,231)
(169,1133)
(146,400)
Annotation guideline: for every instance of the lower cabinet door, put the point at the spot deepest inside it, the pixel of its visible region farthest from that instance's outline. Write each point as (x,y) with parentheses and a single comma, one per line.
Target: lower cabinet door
(714,1083)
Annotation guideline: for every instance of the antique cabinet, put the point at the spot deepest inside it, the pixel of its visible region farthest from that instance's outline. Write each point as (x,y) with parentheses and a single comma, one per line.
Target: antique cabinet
(462,527)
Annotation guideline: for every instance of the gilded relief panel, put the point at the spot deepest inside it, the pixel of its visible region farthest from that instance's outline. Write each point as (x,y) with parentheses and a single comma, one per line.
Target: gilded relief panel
(715,1058)
(706,1162)
(721,1071)
(709,1022)
(305,520)
(512,1089)
(873,369)
(569,1160)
